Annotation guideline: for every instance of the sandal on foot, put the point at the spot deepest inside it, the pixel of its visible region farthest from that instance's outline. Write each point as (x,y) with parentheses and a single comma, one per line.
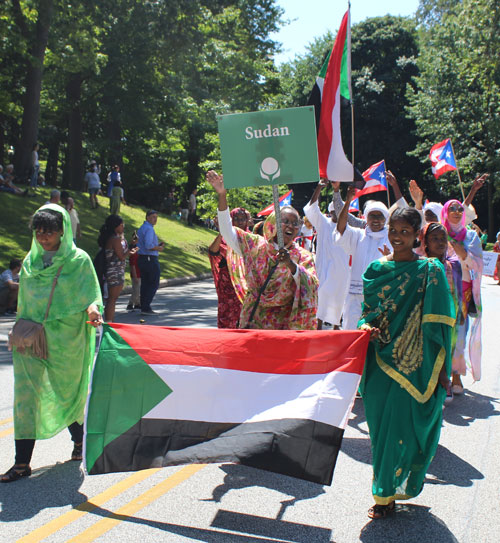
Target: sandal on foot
(381,511)
(77,453)
(15,473)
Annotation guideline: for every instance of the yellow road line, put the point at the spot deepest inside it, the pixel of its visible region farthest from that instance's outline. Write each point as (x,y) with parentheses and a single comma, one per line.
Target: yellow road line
(66,518)
(106,524)
(7,432)
(6,421)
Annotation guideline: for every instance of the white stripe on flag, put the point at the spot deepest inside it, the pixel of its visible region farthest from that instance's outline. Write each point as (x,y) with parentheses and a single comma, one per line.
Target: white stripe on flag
(222,395)
(338,167)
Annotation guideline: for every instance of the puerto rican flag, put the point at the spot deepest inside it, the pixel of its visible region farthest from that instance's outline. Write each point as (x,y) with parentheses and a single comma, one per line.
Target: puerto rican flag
(285,200)
(375,179)
(354,206)
(442,158)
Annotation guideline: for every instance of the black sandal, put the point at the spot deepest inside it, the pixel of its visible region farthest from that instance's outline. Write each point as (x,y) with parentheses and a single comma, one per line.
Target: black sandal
(381,511)
(77,453)
(15,473)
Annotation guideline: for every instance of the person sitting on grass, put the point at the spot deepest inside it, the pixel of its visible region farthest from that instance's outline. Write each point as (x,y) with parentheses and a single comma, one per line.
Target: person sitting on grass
(9,287)
(6,184)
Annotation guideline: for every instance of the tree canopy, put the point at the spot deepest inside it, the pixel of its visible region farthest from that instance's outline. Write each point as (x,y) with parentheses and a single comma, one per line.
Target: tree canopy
(140,84)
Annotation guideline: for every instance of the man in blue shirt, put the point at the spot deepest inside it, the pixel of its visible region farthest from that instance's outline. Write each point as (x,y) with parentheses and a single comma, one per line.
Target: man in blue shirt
(148,261)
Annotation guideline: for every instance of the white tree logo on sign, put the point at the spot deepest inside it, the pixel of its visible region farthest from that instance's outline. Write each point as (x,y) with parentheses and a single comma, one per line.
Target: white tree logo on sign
(270,169)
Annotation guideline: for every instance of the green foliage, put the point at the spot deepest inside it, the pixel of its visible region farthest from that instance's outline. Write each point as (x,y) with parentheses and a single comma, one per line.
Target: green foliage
(458,92)
(147,79)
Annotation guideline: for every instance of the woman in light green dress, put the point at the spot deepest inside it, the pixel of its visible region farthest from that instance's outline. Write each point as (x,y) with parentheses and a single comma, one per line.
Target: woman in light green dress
(50,394)
(410,311)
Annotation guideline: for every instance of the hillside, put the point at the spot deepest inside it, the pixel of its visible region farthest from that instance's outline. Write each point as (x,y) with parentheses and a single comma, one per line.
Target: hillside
(185,252)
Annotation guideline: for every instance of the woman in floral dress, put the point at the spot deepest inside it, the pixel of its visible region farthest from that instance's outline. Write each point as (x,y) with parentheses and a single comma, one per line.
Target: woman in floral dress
(289,300)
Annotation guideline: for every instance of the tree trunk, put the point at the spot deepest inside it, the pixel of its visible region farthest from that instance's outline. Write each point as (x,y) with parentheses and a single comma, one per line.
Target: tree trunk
(75,149)
(52,160)
(31,101)
(491,212)
(3,125)
(193,158)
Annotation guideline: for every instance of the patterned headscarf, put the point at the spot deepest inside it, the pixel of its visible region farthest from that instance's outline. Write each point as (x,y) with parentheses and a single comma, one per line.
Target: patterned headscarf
(238,211)
(270,223)
(458,232)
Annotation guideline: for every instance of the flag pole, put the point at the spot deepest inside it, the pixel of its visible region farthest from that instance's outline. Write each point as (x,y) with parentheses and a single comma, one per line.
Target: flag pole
(277,211)
(458,172)
(349,83)
(387,189)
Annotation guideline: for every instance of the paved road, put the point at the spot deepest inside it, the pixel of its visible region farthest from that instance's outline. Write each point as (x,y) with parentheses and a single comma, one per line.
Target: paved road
(235,504)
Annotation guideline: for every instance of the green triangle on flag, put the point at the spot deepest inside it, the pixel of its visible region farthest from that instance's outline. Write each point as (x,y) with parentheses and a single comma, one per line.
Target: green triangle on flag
(119,374)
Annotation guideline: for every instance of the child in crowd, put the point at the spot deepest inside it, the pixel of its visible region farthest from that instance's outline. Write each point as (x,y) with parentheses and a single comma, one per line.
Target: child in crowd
(135,275)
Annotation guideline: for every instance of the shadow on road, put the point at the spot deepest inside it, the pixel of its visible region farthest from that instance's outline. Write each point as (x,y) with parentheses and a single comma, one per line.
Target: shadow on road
(471,406)
(358,449)
(358,416)
(52,486)
(450,469)
(243,477)
(246,523)
(411,524)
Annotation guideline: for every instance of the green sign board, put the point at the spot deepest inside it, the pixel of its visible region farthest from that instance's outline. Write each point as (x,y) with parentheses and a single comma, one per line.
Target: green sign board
(269,147)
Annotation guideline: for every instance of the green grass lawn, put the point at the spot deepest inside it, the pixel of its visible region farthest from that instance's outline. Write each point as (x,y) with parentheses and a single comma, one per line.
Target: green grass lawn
(186,247)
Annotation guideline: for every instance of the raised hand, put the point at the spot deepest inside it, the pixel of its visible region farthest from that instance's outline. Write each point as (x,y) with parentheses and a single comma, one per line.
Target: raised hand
(480,181)
(385,251)
(416,193)
(351,193)
(217,181)
(391,179)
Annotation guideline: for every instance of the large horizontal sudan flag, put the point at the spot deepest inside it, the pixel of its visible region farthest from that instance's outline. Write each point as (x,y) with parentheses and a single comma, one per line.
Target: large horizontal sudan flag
(274,400)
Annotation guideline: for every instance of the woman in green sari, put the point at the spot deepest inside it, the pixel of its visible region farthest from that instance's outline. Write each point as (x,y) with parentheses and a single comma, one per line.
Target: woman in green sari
(410,312)
(50,394)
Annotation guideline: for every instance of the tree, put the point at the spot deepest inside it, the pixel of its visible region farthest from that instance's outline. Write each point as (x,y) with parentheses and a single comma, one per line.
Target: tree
(36,36)
(458,94)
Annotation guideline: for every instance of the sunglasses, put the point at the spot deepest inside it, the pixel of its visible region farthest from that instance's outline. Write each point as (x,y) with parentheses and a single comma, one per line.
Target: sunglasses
(456,209)
(295,223)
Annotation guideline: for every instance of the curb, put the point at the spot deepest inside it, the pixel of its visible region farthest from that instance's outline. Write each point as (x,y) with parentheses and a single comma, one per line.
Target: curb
(174,281)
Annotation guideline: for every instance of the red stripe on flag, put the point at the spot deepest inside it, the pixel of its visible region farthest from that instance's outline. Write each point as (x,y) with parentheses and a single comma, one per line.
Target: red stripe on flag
(330,86)
(260,351)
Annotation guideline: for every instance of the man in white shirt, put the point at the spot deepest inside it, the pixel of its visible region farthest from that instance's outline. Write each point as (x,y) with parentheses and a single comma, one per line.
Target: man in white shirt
(332,263)
(192,207)
(365,246)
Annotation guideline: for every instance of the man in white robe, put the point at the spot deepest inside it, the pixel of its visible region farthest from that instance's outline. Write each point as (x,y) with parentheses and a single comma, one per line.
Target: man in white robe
(332,263)
(365,246)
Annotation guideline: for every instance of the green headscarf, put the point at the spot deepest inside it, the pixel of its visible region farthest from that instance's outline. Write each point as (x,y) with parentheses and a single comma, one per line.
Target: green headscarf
(77,286)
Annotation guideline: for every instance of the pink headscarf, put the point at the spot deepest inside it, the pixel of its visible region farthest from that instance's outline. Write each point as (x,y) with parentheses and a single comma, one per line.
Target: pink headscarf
(457,232)
(242,210)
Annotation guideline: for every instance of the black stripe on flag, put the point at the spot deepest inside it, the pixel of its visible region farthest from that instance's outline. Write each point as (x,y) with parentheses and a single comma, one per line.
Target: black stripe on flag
(299,448)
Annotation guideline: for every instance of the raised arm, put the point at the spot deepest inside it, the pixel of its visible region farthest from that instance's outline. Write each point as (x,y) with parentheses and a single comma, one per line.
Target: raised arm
(338,204)
(217,183)
(476,185)
(391,179)
(317,191)
(342,218)
(417,194)
(226,227)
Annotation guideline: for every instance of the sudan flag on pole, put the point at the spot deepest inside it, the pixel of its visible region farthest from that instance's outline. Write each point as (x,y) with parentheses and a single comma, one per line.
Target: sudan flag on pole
(274,400)
(333,84)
